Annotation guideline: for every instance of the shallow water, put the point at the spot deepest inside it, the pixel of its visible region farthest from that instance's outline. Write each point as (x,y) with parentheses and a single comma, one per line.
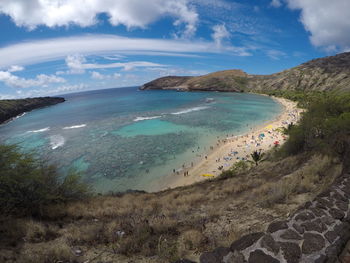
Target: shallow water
(123,138)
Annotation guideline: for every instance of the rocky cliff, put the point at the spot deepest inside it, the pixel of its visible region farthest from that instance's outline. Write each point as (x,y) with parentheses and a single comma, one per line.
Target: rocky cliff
(323,74)
(12,108)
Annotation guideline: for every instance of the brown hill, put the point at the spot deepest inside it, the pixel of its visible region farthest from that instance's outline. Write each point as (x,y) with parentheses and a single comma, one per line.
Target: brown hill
(323,74)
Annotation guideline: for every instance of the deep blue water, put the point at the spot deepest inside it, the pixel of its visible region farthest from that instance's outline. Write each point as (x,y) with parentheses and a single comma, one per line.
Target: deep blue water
(123,138)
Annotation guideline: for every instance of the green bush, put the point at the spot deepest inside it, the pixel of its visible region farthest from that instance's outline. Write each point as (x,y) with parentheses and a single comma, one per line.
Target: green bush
(324,127)
(28,186)
(237,168)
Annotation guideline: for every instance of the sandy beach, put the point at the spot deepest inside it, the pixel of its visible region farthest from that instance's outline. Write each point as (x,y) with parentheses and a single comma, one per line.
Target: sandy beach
(230,150)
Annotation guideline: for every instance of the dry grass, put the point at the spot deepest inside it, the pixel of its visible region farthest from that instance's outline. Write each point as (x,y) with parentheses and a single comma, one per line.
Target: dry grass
(164,226)
(52,251)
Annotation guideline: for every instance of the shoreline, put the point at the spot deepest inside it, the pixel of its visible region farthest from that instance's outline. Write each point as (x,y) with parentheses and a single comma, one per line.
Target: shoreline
(233,149)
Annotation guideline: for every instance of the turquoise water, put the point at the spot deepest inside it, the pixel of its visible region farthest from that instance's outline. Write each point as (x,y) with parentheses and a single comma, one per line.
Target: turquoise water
(123,138)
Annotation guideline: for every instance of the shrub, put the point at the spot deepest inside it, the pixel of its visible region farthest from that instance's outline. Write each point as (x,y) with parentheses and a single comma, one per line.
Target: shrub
(27,185)
(324,127)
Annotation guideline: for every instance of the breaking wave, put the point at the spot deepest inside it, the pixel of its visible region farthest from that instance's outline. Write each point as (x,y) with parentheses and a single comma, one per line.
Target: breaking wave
(190,110)
(74,127)
(40,130)
(56,141)
(146,118)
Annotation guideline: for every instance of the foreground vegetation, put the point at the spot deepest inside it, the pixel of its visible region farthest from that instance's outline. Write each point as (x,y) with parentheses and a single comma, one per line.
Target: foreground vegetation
(57,220)
(28,186)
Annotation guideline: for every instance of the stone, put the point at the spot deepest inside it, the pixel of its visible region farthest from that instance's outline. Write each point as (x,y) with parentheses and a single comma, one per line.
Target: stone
(305,216)
(298,228)
(221,251)
(343,231)
(245,241)
(331,236)
(318,212)
(209,257)
(290,234)
(346,189)
(342,205)
(215,256)
(338,196)
(323,203)
(78,252)
(290,251)
(258,256)
(326,193)
(312,226)
(234,257)
(327,220)
(275,226)
(332,251)
(312,243)
(269,244)
(321,259)
(336,213)
(184,261)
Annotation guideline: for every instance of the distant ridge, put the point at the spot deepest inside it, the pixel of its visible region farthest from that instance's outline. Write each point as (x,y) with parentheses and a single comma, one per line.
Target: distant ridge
(12,108)
(323,74)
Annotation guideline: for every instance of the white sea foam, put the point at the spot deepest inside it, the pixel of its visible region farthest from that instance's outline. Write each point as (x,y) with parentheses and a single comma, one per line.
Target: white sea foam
(74,127)
(19,116)
(190,110)
(40,130)
(56,141)
(146,118)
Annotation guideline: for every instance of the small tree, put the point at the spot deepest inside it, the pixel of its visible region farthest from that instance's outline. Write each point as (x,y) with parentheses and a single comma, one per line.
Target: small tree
(257,157)
(27,186)
(286,130)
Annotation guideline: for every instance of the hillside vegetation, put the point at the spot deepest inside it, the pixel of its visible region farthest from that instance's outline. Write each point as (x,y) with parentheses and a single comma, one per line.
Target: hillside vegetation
(12,108)
(323,74)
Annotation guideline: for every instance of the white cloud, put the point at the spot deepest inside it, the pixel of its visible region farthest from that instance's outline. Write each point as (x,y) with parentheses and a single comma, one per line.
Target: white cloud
(275,54)
(6,97)
(77,65)
(177,71)
(131,13)
(44,92)
(15,68)
(41,80)
(116,75)
(99,76)
(220,33)
(276,3)
(327,21)
(58,48)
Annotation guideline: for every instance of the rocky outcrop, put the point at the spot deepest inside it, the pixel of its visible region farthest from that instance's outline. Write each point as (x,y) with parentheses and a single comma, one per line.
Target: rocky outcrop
(323,74)
(317,232)
(12,108)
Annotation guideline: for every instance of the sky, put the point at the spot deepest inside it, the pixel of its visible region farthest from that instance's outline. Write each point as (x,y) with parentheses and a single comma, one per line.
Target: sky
(50,47)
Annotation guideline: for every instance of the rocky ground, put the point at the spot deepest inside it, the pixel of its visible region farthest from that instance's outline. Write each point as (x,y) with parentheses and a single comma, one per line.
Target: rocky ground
(317,232)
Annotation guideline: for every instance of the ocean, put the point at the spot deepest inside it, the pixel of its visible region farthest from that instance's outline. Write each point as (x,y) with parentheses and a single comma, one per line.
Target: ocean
(123,138)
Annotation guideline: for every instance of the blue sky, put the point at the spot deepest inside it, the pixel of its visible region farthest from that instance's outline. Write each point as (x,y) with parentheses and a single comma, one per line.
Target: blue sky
(50,47)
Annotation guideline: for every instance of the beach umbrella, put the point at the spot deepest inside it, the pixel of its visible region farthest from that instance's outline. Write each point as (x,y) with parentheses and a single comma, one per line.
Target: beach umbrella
(269,127)
(276,143)
(207,175)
